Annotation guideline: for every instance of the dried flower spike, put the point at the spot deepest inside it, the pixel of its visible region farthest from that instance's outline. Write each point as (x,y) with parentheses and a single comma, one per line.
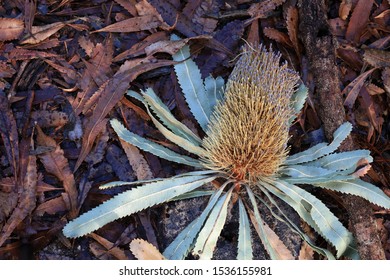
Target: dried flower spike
(248,132)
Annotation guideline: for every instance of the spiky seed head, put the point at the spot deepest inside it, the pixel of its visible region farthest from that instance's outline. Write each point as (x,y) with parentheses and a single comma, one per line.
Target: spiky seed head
(248,132)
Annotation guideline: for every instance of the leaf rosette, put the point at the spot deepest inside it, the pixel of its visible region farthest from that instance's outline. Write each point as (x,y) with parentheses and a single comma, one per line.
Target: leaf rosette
(246,127)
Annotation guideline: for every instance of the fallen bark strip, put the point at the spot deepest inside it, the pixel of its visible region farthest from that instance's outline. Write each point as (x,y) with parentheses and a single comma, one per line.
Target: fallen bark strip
(319,45)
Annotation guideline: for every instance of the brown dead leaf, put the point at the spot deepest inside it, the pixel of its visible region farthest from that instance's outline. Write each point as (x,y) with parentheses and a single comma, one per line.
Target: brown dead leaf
(9,133)
(10,28)
(7,184)
(280,249)
(111,93)
(24,54)
(45,187)
(374,89)
(171,47)
(144,8)
(198,11)
(88,105)
(51,206)
(292,28)
(306,252)
(27,193)
(253,33)
(386,79)
(6,70)
(264,8)
(129,5)
(359,20)
(8,202)
(373,111)
(134,24)
(137,161)
(169,12)
(139,48)
(97,72)
(46,118)
(143,250)
(353,89)
(110,247)
(363,167)
(56,164)
(64,68)
(40,33)
(377,58)
(278,36)
(87,45)
(29,14)
(345,9)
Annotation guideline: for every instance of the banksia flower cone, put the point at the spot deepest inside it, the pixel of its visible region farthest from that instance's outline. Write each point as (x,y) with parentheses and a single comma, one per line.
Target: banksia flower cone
(248,132)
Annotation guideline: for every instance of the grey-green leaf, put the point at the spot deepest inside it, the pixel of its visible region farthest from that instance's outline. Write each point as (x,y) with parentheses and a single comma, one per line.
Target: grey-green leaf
(208,236)
(360,188)
(193,194)
(168,119)
(298,100)
(133,201)
(135,95)
(180,247)
(178,140)
(321,149)
(299,171)
(328,225)
(245,251)
(273,252)
(149,146)
(214,90)
(191,82)
(342,161)
(141,182)
(285,219)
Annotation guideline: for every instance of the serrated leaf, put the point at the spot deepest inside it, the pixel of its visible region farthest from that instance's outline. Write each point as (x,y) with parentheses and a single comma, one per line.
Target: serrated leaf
(10,28)
(57,164)
(285,219)
(144,250)
(327,224)
(135,95)
(275,248)
(151,147)
(125,183)
(208,236)
(168,119)
(133,201)
(304,171)
(110,93)
(245,251)
(180,247)
(191,83)
(178,140)
(193,194)
(109,248)
(214,89)
(298,100)
(321,149)
(360,188)
(134,24)
(319,179)
(140,182)
(342,161)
